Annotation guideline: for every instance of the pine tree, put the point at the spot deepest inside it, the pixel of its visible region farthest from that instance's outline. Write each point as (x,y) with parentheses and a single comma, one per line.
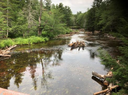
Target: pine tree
(4,4)
(40,15)
(2,26)
(47,4)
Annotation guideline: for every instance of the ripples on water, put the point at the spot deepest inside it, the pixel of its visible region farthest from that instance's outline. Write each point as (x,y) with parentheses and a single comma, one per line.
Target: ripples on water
(56,72)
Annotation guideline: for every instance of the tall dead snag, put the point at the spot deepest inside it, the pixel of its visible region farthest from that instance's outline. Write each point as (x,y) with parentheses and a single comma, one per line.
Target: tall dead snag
(39,28)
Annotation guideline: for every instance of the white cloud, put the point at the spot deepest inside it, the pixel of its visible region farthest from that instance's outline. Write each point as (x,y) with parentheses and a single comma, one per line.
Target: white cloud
(75,5)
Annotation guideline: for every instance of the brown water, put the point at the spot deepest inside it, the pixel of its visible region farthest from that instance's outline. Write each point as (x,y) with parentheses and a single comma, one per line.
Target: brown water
(52,72)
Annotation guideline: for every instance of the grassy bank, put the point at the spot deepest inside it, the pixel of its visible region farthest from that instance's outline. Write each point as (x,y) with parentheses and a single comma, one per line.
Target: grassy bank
(22,41)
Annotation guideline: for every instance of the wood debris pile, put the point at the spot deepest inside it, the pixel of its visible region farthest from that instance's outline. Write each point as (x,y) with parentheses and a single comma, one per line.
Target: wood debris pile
(103,82)
(77,44)
(6,52)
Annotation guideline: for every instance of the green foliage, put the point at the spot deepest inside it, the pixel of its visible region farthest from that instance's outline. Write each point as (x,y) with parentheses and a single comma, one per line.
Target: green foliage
(111,16)
(47,4)
(67,14)
(123,27)
(118,93)
(80,19)
(108,16)
(52,24)
(22,41)
(120,70)
(90,21)
(67,30)
(6,43)
(30,40)
(21,18)
(2,25)
(107,60)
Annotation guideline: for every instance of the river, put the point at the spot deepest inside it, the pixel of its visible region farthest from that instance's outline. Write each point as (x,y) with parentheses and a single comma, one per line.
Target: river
(53,70)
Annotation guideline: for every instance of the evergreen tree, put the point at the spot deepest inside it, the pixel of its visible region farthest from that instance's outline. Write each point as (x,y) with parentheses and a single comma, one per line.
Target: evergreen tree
(80,19)
(40,15)
(47,4)
(4,4)
(2,26)
(52,25)
(90,20)
(111,16)
(66,11)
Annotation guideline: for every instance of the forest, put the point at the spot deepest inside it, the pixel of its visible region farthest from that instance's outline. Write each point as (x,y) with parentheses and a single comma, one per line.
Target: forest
(33,21)
(26,19)
(111,16)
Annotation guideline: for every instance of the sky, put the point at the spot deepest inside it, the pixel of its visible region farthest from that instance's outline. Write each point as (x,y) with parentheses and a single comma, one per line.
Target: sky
(75,5)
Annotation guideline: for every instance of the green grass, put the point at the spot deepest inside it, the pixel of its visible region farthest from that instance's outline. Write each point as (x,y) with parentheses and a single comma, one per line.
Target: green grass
(22,41)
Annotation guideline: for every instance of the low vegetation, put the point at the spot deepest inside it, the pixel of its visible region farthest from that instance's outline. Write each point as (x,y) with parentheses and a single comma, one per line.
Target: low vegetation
(22,41)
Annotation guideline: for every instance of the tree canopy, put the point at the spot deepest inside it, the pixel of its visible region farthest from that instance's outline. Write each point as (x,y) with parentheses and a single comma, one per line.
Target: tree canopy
(111,16)
(25,18)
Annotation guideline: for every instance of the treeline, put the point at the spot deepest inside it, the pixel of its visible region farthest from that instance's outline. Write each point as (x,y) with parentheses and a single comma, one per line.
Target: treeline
(105,15)
(111,16)
(24,18)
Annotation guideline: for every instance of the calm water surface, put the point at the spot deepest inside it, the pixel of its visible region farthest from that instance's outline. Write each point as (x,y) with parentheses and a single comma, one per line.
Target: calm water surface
(52,72)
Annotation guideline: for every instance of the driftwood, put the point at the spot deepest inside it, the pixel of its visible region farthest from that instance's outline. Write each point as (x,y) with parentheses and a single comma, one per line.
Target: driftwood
(104,84)
(107,91)
(5,53)
(109,75)
(110,86)
(77,44)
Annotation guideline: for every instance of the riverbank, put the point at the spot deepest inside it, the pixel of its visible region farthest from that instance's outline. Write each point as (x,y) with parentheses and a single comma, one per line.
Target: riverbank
(34,71)
(5,44)
(74,31)
(21,41)
(108,42)
(31,40)
(113,55)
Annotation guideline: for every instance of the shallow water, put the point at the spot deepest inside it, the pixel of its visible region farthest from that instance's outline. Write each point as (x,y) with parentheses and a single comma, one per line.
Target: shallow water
(52,72)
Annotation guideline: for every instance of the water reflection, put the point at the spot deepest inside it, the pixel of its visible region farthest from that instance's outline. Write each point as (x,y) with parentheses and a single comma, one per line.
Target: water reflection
(51,72)
(92,54)
(99,81)
(16,66)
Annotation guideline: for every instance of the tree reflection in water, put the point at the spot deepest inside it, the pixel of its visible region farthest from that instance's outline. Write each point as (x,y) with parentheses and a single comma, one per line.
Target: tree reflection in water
(15,67)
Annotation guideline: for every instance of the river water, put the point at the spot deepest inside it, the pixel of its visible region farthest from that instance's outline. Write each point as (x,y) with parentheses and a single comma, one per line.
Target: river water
(53,70)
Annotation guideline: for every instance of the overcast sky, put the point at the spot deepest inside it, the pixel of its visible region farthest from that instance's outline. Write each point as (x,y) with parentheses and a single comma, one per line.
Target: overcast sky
(75,5)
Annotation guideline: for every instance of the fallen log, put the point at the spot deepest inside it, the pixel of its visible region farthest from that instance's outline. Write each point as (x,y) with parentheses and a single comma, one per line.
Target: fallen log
(77,44)
(5,53)
(11,47)
(102,83)
(108,90)
(109,75)
(98,75)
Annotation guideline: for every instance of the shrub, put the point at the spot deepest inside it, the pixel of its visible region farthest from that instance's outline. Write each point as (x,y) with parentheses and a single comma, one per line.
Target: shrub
(21,41)
(7,42)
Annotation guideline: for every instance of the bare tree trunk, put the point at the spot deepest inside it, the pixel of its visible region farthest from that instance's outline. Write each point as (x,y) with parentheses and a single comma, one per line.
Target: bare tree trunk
(39,30)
